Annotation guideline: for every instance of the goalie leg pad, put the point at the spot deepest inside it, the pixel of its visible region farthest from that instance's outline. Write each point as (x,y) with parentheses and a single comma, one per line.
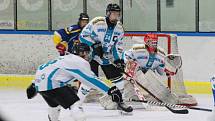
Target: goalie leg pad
(151,82)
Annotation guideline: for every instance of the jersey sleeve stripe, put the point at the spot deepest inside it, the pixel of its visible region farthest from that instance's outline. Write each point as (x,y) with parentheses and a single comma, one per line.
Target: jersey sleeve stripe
(91,80)
(83,40)
(115,53)
(49,85)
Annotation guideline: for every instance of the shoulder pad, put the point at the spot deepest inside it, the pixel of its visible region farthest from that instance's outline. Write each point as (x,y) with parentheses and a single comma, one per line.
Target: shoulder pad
(98,19)
(120,26)
(75,26)
(119,23)
(72,29)
(139,47)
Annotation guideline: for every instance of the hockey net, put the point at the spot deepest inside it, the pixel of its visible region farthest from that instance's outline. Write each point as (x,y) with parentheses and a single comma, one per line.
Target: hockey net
(169,45)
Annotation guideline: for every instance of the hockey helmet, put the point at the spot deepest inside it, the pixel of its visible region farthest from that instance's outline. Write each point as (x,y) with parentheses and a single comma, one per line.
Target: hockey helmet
(151,42)
(83,16)
(113,7)
(82,50)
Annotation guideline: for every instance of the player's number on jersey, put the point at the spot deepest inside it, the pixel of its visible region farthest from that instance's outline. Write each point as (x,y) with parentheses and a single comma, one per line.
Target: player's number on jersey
(47,64)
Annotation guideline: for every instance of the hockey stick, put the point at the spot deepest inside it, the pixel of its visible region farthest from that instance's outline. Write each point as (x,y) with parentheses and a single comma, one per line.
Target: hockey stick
(170,105)
(181,111)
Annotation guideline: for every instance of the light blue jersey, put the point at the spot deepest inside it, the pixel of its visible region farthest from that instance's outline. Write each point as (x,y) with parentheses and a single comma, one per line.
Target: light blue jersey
(110,37)
(58,73)
(212,80)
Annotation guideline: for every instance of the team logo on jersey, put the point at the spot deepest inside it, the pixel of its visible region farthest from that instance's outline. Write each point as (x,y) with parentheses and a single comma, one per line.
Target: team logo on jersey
(101,30)
(142,57)
(43,76)
(116,33)
(84,91)
(69,29)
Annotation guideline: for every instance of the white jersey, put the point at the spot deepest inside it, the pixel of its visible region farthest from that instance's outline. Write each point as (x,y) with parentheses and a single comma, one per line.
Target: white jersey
(145,60)
(58,73)
(110,37)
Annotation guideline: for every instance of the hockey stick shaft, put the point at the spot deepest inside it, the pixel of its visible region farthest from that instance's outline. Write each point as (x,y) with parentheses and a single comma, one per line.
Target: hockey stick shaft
(182,111)
(170,105)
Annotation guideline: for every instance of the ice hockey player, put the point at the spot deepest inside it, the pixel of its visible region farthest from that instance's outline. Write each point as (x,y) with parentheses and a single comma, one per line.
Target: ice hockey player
(212,116)
(148,59)
(65,38)
(51,81)
(104,35)
(146,55)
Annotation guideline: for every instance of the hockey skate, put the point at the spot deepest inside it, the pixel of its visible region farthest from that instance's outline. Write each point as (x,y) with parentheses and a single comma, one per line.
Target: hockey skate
(124,109)
(77,112)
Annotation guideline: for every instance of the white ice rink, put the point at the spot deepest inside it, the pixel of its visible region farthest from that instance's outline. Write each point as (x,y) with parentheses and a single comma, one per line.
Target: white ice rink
(15,107)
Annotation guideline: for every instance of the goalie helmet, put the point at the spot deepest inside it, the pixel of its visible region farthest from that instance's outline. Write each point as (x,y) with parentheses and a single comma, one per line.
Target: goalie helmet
(82,50)
(151,42)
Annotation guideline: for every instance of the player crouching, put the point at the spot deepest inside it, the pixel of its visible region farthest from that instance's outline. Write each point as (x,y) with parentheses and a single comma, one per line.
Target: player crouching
(147,63)
(51,81)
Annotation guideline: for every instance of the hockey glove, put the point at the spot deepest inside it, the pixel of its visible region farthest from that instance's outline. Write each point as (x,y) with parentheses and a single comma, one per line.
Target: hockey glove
(120,65)
(97,48)
(61,48)
(115,94)
(31,91)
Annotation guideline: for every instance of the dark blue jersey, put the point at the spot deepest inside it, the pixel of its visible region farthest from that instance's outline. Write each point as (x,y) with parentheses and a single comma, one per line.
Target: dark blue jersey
(70,35)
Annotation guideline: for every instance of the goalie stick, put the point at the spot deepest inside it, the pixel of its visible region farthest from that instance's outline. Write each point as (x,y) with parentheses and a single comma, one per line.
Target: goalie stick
(180,111)
(170,105)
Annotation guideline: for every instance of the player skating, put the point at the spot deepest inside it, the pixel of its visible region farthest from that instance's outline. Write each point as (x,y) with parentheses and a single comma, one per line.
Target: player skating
(104,35)
(212,116)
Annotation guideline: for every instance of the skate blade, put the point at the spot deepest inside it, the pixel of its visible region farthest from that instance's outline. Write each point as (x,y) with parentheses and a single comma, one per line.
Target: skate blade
(123,113)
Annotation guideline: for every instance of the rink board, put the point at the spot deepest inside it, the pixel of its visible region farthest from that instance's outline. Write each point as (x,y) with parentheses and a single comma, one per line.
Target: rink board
(22,82)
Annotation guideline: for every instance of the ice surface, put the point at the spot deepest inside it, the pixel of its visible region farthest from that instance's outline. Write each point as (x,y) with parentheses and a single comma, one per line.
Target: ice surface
(16,107)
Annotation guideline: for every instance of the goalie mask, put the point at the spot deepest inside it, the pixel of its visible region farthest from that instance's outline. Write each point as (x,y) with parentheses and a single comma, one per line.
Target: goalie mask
(151,42)
(82,50)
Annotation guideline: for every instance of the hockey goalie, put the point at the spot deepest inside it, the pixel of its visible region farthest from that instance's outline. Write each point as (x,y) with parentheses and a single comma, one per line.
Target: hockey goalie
(146,64)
